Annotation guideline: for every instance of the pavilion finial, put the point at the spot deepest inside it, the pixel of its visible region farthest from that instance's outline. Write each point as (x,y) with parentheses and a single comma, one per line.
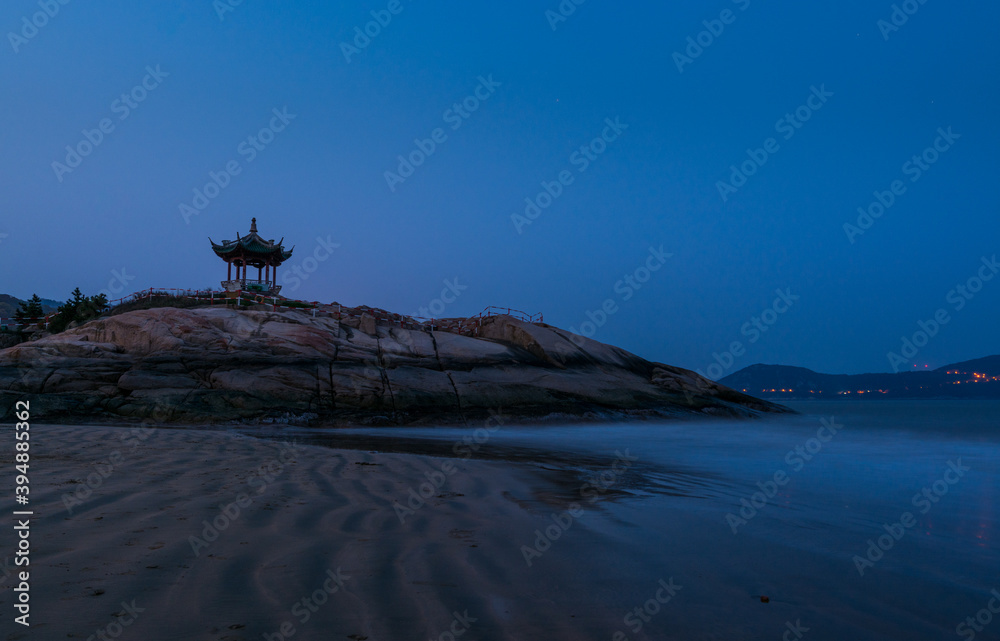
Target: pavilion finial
(253,225)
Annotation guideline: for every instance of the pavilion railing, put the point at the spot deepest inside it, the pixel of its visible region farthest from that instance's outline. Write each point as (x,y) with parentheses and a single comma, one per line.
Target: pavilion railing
(246,284)
(515,313)
(7,324)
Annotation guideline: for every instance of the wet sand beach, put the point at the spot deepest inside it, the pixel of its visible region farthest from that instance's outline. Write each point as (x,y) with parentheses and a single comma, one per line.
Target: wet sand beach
(618,531)
(205,535)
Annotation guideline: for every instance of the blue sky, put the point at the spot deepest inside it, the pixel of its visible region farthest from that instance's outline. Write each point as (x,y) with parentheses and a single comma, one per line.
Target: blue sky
(321,181)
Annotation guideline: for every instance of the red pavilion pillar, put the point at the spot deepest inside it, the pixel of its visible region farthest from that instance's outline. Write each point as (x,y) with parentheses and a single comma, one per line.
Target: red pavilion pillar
(230,275)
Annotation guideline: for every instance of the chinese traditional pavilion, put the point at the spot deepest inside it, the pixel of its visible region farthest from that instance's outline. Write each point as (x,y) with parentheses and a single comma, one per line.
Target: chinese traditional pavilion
(252,251)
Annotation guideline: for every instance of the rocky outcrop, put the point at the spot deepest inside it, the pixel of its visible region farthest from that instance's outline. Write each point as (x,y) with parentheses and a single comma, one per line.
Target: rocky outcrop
(216,365)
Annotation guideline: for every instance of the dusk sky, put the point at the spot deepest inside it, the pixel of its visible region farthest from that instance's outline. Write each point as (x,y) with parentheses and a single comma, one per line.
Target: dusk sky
(848,103)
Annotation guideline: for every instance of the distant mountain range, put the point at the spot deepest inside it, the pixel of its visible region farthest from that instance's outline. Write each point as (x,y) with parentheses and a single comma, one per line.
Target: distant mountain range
(978,378)
(9,305)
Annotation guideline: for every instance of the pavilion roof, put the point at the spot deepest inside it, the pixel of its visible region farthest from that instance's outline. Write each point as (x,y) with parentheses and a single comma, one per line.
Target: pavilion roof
(252,246)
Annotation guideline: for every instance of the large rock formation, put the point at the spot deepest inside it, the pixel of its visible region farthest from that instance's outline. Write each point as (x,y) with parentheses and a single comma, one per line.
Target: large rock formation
(215,364)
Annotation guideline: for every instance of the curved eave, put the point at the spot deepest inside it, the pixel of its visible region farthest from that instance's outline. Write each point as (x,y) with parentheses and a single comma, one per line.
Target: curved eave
(251,246)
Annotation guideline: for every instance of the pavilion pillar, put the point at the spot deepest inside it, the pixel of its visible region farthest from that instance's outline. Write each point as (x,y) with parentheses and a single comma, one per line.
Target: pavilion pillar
(260,274)
(267,273)
(230,275)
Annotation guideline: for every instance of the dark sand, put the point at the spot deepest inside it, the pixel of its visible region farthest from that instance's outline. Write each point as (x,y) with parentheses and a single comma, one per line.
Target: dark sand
(326,510)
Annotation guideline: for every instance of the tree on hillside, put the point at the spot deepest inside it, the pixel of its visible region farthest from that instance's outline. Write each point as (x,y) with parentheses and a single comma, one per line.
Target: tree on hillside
(30,311)
(79,308)
(91,307)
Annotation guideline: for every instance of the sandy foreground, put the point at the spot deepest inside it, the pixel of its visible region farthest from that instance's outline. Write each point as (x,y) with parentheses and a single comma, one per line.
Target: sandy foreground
(185,534)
